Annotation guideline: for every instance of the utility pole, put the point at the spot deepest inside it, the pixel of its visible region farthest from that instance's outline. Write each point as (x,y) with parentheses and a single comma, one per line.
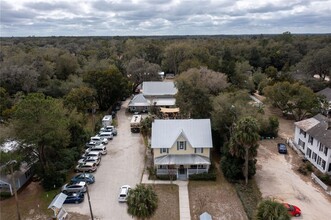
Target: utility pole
(88,197)
(14,187)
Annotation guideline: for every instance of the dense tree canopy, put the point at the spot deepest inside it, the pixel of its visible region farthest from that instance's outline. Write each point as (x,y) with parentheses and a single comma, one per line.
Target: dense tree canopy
(293,99)
(195,87)
(41,123)
(110,86)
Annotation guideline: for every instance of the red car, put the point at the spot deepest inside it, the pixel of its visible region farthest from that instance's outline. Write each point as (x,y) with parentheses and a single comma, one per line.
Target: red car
(292,209)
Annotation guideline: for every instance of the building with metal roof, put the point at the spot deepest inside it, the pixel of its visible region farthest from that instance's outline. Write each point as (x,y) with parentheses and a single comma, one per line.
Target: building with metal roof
(181,147)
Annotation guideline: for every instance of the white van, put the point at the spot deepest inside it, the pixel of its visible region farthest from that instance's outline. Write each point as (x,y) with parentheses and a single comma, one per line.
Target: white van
(107,135)
(107,120)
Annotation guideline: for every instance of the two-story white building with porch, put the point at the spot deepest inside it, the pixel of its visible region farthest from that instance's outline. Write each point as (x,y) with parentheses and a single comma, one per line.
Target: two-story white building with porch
(313,138)
(181,147)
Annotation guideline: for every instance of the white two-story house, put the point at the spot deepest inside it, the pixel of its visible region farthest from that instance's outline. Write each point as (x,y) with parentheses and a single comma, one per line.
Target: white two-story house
(181,147)
(313,137)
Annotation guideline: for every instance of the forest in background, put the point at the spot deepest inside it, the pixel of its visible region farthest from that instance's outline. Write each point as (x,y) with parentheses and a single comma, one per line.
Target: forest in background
(68,77)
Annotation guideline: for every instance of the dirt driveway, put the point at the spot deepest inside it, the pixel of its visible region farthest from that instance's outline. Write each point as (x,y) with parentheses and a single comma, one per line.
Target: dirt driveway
(122,165)
(277,178)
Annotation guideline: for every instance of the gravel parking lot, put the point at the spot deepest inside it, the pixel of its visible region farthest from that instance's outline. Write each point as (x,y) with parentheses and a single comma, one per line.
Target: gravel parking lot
(277,178)
(122,165)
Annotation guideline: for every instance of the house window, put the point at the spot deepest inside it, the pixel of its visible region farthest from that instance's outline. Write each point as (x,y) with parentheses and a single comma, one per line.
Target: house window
(181,145)
(303,132)
(329,170)
(308,153)
(162,166)
(164,150)
(197,166)
(323,164)
(326,151)
(198,150)
(302,144)
(319,160)
(321,147)
(314,156)
(311,140)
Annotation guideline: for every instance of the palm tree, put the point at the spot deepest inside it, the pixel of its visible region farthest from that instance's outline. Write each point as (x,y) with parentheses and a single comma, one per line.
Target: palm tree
(142,202)
(271,210)
(243,142)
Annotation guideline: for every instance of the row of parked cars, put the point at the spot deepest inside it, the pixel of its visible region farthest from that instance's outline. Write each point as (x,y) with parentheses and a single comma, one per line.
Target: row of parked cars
(89,162)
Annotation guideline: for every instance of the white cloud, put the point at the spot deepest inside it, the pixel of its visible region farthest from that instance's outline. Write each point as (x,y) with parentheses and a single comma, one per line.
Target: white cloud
(166,17)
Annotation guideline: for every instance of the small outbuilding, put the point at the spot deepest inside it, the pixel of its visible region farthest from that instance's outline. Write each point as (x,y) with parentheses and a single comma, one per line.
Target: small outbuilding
(205,216)
(56,205)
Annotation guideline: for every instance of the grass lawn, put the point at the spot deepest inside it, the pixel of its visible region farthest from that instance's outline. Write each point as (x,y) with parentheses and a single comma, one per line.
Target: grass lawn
(168,202)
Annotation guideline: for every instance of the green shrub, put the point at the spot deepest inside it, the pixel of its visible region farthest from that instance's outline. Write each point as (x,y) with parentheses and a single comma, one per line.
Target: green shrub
(303,170)
(4,195)
(250,197)
(325,178)
(53,179)
(203,176)
(166,177)
(309,167)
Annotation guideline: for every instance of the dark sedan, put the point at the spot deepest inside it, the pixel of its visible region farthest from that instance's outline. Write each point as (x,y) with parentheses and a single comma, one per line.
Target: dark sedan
(74,197)
(282,148)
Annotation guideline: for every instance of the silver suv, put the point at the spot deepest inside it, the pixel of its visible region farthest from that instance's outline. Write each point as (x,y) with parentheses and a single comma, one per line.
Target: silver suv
(86,167)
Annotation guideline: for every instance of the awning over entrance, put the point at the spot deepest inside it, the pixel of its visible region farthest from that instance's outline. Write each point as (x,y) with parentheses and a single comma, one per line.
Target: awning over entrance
(169,110)
(190,159)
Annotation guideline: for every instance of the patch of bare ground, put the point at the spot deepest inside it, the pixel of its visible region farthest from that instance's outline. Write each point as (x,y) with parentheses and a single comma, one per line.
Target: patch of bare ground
(168,206)
(218,198)
(33,202)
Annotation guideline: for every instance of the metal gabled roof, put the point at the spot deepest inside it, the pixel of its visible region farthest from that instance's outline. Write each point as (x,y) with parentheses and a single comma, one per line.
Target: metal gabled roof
(139,100)
(156,88)
(166,132)
(58,201)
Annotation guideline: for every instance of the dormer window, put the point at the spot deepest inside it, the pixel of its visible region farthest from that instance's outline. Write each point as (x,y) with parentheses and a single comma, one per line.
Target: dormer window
(181,145)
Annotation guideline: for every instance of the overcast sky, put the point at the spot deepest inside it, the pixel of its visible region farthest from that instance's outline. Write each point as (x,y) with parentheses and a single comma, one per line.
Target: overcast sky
(162,17)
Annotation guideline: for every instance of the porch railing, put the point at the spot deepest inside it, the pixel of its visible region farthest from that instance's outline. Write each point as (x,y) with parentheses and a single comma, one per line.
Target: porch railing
(197,171)
(166,171)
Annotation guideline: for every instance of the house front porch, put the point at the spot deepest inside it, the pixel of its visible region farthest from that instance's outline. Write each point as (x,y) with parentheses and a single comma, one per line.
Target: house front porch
(181,165)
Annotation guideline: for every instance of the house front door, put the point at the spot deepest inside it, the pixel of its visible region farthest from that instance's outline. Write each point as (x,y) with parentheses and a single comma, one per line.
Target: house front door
(181,169)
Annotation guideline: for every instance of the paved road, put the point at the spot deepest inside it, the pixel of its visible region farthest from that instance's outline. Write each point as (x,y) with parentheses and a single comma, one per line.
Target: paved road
(122,165)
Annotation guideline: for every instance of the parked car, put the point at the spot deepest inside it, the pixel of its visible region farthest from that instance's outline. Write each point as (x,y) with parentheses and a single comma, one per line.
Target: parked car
(95,160)
(107,135)
(83,177)
(282,148)
(74,187)
(74,197)
(89,153)
(292,209)
(101,149)
(124,191)
(112,129)
(86,167)
(98,139)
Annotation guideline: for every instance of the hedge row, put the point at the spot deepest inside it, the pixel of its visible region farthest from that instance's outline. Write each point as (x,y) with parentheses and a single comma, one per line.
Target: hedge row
(166,177)
(203,176)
